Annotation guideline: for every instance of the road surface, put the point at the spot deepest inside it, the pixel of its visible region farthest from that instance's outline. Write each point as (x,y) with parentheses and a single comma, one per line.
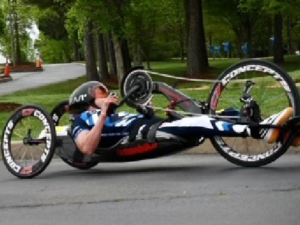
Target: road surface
(180,189)
(53,73)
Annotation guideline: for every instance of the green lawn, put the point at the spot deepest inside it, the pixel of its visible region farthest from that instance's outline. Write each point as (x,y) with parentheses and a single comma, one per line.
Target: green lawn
(49,96)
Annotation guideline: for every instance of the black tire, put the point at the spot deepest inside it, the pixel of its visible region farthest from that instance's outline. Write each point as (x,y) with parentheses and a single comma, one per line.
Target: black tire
(8,149)
(57,113)
(270,153)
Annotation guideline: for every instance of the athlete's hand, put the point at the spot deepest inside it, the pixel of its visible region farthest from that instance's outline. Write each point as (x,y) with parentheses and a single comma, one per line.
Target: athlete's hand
(105,103)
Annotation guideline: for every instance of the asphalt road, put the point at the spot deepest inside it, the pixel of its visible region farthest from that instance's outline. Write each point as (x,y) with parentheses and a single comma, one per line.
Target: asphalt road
(52,73)
(180,189)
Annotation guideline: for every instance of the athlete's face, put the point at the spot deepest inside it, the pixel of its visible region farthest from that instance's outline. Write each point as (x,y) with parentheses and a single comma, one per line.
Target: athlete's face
(102,96)
(101,93)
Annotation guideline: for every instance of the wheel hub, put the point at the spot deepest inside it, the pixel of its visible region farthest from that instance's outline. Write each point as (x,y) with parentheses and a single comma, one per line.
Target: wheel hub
(26,141)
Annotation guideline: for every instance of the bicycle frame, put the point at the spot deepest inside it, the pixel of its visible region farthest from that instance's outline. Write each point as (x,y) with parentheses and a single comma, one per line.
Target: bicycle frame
(181,100)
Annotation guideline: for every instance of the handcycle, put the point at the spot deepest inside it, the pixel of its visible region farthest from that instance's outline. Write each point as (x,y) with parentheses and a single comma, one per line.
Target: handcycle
(238,95)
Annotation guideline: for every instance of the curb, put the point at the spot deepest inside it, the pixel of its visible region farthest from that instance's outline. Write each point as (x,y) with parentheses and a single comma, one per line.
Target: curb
(5,79)
(25,71)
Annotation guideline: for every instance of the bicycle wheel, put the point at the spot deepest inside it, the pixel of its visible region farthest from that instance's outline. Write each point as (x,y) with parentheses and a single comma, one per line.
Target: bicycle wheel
(60,116)
(28,141)
(274,90)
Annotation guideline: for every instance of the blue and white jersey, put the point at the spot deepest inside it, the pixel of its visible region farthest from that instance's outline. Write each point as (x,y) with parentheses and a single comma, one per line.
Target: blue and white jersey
(116,126)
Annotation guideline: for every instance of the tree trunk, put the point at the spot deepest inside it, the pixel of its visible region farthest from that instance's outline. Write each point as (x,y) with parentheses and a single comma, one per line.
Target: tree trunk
(249,39)
(137,55)
(187,25)
(102,58)
(112,56)
(11,29)
(119,58)
(76,51)
(278,45)
(145,52)
(187,17)
(126,55)
(182,45)
(90,56)
(291,48)
(18,59)
(270,33)
(18,55)
(197,53)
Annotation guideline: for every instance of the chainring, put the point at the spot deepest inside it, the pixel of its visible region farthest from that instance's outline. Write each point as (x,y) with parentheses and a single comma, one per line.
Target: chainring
(143,93)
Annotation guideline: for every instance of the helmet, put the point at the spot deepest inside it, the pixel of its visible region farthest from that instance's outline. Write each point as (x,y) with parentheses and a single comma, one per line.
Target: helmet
(84,96)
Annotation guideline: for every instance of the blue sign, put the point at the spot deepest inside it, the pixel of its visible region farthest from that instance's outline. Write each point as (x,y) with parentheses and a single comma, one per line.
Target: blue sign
(245,48)
(227,46)
(273,40)
(219,50)
(212,49)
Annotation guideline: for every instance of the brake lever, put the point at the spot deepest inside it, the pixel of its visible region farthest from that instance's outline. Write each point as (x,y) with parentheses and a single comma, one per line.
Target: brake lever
(246,98)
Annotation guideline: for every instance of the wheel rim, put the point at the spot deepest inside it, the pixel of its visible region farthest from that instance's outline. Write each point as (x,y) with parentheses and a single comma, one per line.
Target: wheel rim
(27,142)
(272,94)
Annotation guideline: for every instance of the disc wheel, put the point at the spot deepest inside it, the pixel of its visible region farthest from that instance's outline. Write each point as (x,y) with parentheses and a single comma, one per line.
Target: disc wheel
(274,90)
(28,141)
(61,116)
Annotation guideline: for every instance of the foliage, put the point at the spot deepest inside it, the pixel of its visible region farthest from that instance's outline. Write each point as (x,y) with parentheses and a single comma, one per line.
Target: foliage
(27,46)
(155,30)
(18,19)
(54,51)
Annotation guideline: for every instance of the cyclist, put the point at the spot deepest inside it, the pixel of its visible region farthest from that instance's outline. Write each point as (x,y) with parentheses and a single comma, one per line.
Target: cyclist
(95,126)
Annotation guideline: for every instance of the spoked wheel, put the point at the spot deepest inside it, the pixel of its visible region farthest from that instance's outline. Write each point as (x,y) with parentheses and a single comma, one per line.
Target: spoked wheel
(28,141)
(61,117)
(274,90)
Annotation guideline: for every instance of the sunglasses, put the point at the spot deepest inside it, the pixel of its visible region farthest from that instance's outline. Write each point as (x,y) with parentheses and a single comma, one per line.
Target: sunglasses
(103,93)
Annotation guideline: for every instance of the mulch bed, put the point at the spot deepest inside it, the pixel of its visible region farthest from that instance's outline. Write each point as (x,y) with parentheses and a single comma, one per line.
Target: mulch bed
(5,79)
(23,67)
(9,106)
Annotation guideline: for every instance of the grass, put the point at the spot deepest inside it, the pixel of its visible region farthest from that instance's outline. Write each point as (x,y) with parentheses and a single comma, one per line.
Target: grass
(51,95)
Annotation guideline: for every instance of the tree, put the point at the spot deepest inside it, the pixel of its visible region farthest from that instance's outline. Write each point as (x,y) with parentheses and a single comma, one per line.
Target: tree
(142,28)
(111,55)
(2,22)
(280,11)
(278,35)
(89,49)
(102,57)
(175,25)
(197,54)
(15,41)
(51,20)
(238,15)
(103,15)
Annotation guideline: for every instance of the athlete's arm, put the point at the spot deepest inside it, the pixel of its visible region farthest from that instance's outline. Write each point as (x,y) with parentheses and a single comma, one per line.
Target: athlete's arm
(88,140)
